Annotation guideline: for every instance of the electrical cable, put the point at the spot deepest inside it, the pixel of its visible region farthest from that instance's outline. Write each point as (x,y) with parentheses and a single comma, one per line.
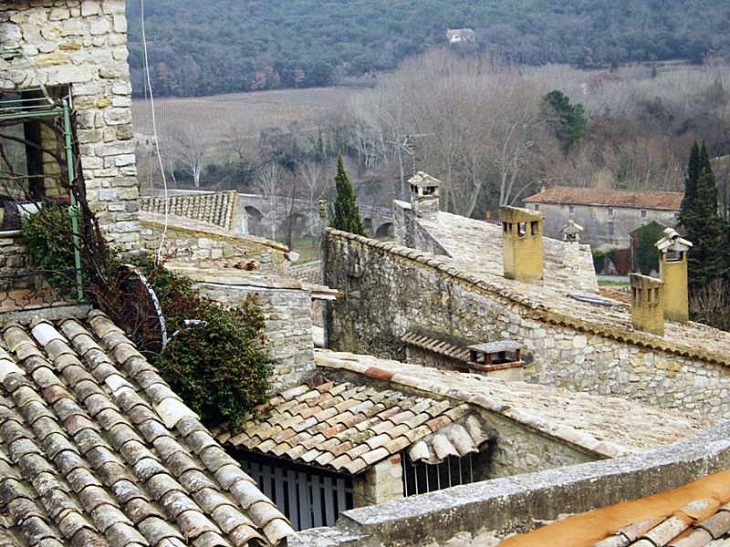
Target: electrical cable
(154,129)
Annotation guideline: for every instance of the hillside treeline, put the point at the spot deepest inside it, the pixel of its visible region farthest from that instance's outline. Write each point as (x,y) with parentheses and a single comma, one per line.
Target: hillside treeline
(223,46)
(492,132)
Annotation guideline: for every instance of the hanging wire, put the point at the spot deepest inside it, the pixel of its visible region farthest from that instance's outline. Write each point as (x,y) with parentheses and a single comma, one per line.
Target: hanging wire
(148,90)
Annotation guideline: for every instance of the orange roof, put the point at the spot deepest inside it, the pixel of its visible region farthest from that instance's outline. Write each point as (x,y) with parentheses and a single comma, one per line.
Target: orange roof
(670,201)
(694,515)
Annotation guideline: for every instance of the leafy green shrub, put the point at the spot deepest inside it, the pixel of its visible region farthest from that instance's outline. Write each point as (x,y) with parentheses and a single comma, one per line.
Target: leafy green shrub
(221,370)
(49,239)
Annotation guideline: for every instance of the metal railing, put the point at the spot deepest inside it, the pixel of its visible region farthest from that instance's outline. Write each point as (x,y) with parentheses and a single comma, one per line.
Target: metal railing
(36,289)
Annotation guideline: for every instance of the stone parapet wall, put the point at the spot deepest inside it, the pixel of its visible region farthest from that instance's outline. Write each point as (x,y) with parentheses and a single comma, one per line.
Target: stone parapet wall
(203,245)
(82,46)
(288,324)
(520,504)
(391,290)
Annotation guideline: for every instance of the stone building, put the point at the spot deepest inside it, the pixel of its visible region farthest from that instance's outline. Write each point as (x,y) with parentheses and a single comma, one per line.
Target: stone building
(446,276)
(607,216)
(76,50)
(363,431)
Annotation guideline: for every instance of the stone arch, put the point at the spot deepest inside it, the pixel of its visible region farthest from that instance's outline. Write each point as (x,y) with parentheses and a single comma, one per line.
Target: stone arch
(384,231)
(254,223)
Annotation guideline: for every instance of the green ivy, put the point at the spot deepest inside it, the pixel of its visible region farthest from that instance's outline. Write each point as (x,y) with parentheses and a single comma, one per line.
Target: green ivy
(49,239)
(221,370)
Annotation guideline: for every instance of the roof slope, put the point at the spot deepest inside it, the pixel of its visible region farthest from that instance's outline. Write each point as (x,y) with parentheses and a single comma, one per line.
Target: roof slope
(696,514)
(349,427)
(96,449)
(215,208)
(609,426)
(568,195)
(569,272)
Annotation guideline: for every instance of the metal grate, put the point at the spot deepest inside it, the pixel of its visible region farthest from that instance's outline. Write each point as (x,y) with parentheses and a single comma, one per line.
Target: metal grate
(421,478)
(308,498)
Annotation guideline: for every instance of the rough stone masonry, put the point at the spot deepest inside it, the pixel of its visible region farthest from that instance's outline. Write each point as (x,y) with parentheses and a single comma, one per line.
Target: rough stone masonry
(81,46)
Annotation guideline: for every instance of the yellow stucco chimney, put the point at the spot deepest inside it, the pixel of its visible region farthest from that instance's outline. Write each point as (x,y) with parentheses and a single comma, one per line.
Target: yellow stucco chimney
(647,312)
(522,244)
(673,271)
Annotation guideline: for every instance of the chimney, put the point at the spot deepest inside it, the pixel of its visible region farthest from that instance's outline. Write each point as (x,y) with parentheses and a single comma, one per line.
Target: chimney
(424,195)
(571,232)
(647,312)
(522,244)
(673,271)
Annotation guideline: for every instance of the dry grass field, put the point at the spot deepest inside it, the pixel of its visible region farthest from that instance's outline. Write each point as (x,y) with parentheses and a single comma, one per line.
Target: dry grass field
(214,118)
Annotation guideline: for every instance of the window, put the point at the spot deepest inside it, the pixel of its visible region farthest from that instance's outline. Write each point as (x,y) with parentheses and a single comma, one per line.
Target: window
(643,213)
(506,227)
(534,226)
(420,478)
(521,229)
(571,209)
(610,227)
(537,207)
(308,496)
(610,211)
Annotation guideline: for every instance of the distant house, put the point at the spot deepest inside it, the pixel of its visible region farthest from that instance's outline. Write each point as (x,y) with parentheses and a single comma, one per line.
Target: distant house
(461,36)
(607,216)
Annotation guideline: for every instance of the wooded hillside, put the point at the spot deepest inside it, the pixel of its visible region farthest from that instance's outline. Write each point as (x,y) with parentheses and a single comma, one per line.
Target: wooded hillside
(218,46)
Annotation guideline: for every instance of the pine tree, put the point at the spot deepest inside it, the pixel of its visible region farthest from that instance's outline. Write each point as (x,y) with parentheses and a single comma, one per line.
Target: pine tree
(346,213)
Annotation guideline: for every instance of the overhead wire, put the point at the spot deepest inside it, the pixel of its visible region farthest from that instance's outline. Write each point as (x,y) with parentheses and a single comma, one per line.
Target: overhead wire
(148,90)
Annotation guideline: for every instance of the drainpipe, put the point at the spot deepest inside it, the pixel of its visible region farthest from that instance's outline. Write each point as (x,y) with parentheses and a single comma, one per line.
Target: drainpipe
(74,209)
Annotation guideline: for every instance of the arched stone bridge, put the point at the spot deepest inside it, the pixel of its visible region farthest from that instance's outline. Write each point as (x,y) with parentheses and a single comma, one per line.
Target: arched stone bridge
(268,216)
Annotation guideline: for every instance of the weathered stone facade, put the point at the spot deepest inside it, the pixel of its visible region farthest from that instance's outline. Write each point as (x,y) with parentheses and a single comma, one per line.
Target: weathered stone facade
(202,245)
(391,290)
(288,323)
(81,46)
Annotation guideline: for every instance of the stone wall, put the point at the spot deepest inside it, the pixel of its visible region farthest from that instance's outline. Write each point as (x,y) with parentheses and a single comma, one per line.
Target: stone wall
(595,221)
(13,256)
(288,324)
(522,503)
(82,46)
(408,232)
(389,291)
(382,482)
(202,245)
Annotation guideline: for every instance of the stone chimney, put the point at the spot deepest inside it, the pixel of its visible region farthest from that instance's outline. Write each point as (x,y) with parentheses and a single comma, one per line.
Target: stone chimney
(424,195)
(673,271)
(522,244)
(571,232)
(647,312)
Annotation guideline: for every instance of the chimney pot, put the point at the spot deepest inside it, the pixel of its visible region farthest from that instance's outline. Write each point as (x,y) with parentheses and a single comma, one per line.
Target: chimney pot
(522,244)
(424,195)
(647,311)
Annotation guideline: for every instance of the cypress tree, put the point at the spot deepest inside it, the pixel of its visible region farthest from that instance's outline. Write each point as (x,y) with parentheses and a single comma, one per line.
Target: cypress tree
(688,213)
(346,214)
(703,224)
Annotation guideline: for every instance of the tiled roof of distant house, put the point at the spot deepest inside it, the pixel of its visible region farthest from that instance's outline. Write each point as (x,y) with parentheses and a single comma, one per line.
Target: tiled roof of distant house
(567,195)
(96,450)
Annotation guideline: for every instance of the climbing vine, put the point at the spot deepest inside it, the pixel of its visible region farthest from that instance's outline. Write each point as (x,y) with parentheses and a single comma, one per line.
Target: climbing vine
(217,361)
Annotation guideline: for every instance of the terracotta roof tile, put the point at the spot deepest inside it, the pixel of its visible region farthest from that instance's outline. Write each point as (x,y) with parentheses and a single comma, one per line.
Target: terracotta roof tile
(86,457)
(359,426)
(671,201)
(215,208)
